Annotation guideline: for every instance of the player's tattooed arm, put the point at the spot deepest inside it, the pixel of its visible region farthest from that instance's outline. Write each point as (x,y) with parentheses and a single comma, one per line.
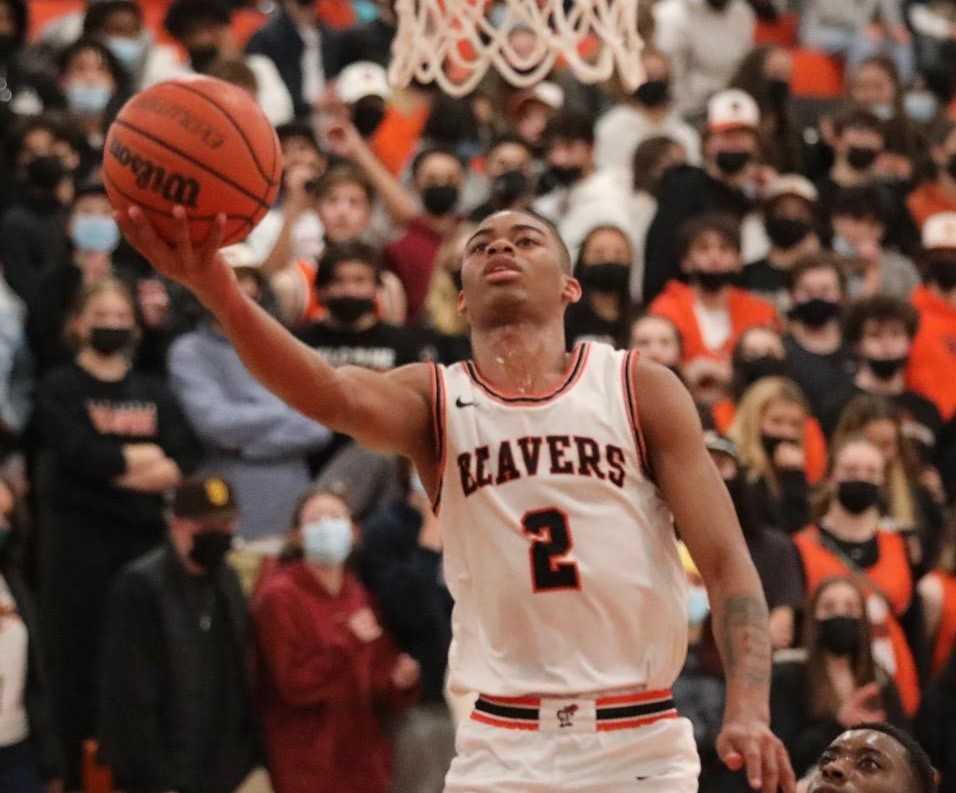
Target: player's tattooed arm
(745,649)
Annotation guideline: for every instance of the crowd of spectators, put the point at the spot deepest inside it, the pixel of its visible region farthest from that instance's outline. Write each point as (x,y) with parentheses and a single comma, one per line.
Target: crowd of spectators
(771,215)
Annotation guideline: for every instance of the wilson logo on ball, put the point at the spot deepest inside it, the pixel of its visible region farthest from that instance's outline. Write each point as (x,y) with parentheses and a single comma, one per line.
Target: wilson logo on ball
(172,186)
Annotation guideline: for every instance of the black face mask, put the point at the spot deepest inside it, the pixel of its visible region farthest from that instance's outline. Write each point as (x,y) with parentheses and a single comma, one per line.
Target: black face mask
(757,368)
(714,282)
(508,187)
(840,635)
(857,496)
(815,312)
(732,162)
(8,45)
(606,276)
(943,273)
(718,5)
(565,175)
(210,547)
(107,341)
(770,444)
(786,232)
(348,309)
(653,93)
(885,368)
(861,157)
(778,92)
(440,199)
(201,58)
(367,115)
(45,173)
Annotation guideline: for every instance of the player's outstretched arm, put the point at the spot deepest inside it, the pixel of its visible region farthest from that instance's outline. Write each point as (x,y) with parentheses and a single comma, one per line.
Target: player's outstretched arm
(705,517)
(390,412)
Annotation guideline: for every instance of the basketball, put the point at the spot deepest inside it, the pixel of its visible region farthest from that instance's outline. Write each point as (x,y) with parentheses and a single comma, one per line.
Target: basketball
(199,142)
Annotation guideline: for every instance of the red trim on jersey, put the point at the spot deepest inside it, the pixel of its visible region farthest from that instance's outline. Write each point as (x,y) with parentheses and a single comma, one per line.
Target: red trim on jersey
(530,726)
(533,702)
(627,724)
(634,699)
(438,424)
(630,399)
(572,375)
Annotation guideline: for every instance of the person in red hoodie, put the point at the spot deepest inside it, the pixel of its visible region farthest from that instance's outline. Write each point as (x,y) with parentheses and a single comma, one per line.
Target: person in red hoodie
(327,671)
(710,312)
(933,354)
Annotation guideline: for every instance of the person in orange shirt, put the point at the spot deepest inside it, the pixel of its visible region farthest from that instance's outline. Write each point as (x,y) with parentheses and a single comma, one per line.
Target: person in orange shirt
(938,194)
(710,312)
(937,590)
(933,355)
(849,540)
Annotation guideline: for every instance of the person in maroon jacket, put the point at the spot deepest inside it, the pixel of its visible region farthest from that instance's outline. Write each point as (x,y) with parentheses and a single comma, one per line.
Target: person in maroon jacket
(327,671)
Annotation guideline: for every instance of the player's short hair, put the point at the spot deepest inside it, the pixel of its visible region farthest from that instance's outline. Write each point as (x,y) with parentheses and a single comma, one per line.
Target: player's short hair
(919,761)
(344,173)
(879,308)
(816,261)
(566,263)
(184,16)
(351,251)
(720,223)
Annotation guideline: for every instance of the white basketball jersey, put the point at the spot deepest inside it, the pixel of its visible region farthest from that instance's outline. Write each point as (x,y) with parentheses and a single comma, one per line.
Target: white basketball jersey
(558,548)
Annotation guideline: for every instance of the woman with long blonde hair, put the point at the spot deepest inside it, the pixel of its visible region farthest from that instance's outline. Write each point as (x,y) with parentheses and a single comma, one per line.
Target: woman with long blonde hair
(769,432)
(441,302)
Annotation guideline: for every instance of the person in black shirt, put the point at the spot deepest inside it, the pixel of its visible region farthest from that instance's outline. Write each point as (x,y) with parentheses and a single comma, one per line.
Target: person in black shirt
(112,442)
(790,220)
(880,332)
(604,270)
(176,686)
(352,334)
(817,359)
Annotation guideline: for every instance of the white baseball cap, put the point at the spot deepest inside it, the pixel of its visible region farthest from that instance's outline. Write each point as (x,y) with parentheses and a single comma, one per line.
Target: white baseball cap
(939,231)
(732,109)
(792,184)
(361,79)
(547,93)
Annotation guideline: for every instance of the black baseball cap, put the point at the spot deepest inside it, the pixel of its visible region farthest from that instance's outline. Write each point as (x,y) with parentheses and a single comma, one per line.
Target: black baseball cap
(204,497)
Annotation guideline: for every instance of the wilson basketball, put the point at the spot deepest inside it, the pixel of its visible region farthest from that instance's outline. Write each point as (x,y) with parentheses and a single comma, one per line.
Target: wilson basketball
(199,142)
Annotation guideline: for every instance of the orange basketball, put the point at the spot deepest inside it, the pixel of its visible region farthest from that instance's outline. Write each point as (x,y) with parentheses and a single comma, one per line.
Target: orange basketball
(199,142)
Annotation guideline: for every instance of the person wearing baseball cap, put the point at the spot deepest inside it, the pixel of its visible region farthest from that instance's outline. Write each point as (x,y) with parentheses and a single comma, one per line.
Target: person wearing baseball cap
(363,88)
(727,181)
(176,696)
(790,219)
(933,353)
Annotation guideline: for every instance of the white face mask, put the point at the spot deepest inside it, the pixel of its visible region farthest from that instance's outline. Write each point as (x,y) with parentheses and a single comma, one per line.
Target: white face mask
(698,605)
(327,541)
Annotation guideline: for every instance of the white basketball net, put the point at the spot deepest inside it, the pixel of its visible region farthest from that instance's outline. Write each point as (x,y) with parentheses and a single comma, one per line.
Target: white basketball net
(454,42)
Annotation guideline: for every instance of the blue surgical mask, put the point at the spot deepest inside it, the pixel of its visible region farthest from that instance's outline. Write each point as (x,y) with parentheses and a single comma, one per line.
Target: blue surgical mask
(128,52)
(884,111)
(328,541)
(841,246)
(88,100)
(698,605)
(94,233)
(920,106)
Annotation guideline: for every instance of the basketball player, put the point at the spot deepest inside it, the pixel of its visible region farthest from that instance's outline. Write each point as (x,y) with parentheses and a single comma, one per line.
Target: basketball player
(556,476)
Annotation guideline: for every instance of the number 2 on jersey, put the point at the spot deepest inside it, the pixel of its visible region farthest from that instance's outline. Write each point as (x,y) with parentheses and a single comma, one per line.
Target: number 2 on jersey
(550,541)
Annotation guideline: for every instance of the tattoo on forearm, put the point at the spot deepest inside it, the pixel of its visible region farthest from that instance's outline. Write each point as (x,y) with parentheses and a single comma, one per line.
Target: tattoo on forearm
(746,639)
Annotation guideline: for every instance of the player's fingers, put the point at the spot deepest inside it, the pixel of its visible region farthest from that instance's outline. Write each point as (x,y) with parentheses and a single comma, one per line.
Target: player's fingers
(754,761)
(148,242)
(126,226)
(214,240)
(771,772)
(184,245)
(788,779)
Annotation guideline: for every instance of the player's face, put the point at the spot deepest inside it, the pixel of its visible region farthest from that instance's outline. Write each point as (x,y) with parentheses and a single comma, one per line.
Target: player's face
(863,761)
(345,212)
(513,269)
(656,339)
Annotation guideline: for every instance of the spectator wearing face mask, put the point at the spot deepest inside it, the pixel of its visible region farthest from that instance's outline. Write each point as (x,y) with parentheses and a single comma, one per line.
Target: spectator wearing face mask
(710,312)
(658,340)
(94,86)
(849,540)
(729,181)
(250,436)
(508,166)
(860,217)
(647,113)
(858,140)
(760,353)
(937,195)
(769,432)
(175,678)
(437,176)
(839,684)
(201,28)
(685,30)
(880,332)
(604,270)
(114,441)
(574,194)
(818,359)
(790,219)
(328,673)
(932,351)
(120,25)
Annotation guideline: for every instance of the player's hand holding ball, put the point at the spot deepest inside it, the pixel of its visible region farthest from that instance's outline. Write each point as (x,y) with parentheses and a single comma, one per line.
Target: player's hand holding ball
(748,743)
